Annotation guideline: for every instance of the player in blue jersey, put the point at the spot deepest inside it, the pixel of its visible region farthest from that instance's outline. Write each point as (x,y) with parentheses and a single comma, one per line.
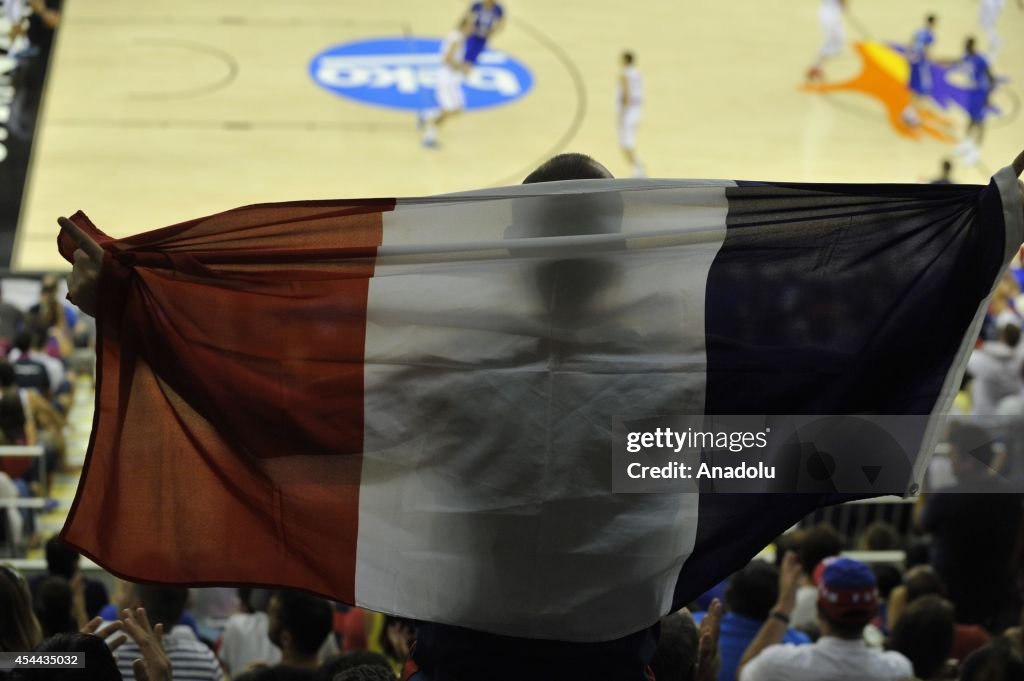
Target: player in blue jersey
(920,70)
(488,18)
(982,83)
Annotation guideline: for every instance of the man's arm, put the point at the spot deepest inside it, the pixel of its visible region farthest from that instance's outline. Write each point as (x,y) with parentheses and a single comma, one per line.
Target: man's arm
(83,284)
(774,628)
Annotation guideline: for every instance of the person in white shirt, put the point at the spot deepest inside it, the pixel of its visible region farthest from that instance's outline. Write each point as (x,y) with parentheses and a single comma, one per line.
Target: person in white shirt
(996,370)
(847,601)
(450,99)
(245,642)
(630,108)
(988,16)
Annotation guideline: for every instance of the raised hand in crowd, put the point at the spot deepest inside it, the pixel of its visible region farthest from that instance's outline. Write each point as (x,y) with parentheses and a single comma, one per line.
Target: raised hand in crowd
(154,664)
(707,643)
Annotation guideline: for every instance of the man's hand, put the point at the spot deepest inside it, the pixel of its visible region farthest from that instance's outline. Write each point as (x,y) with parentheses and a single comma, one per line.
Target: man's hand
(84,282)
(105,632)
(707,645)
(154,664)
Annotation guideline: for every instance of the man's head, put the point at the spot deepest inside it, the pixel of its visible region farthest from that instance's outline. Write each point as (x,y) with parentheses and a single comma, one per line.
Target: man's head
(571,166)
(817,544)
(969,45)
(995,662)
(923,580)
(628,58)
(676,656)
(947,167)
(299,623)
(930,20)
(23,341)
(568,281)
(366,672)
(330,669)
(61,559)
(970,450)
(847,596)
(53,606)
(164,604)
(102,666)
(48,287)
(753,590)
(1010,334)
(924,634)
(880,536)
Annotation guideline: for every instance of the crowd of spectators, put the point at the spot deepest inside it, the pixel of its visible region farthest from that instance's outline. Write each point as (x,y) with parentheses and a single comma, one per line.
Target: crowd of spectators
(45,344)
(809,612)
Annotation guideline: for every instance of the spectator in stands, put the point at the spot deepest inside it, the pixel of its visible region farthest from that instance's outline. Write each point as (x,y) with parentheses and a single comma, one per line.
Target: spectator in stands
(190,658)
(16,428)
(29,370)
(924,634)
(52,317)
(59,605)
(245,641)
(748,601)
(995,662)
(921,581)
(974,524)
(1002,308)
(847,601)
(100,662)
(365,673)
(996,371)
(329,670)
(19,628)
(888,578)
(33,345)
(299,623)
(817,543)
(63,561)
(686,652)
(880,536)
(12,319)
(12,523)
(676,656)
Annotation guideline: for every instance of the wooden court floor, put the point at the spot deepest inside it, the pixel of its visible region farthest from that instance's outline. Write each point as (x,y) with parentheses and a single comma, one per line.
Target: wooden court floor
(161,111)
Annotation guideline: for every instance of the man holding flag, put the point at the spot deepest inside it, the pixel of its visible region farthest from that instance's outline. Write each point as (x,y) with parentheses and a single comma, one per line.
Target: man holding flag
(427,388)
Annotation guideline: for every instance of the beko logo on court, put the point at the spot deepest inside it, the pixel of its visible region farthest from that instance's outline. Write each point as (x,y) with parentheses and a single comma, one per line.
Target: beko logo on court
(401,73)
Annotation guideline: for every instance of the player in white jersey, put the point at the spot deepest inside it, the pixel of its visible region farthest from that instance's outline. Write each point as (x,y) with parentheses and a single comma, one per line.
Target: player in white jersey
(450,98)
(830,14)
(630,107)
(988,15)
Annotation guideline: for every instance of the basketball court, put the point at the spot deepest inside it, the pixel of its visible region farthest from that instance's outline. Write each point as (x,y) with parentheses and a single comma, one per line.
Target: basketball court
(157,112)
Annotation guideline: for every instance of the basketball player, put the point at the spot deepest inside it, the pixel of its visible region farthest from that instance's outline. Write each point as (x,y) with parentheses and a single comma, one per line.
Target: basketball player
(988,15)
(920,70)
(830,14)
(982,84)
(630,106)
(488,17)
(450,98)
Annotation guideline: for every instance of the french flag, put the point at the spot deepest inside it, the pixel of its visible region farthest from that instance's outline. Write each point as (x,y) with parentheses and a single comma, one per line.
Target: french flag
(407,404)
